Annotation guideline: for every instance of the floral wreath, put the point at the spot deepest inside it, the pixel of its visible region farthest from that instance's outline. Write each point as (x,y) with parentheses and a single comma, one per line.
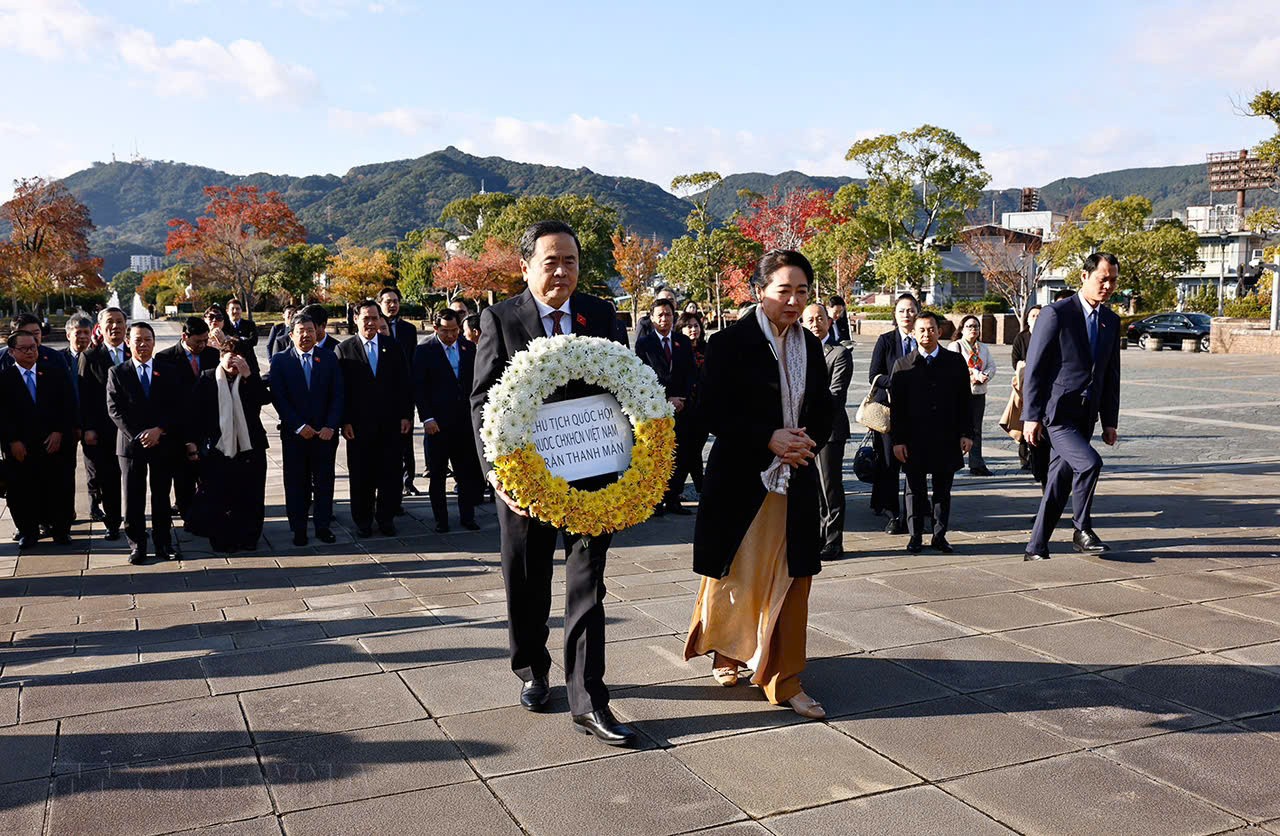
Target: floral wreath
(512,408)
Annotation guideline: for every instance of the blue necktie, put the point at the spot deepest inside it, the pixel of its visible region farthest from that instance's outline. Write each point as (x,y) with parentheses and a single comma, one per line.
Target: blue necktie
(306,368)
(145,379)
(371,349)
(906,346)
(31,383)
(452,353)
(1093,333)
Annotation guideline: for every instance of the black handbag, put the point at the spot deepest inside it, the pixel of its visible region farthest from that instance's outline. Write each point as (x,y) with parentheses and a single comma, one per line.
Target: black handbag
(864,460)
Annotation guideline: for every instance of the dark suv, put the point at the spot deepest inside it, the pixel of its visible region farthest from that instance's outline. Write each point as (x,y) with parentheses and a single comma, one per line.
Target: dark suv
(1173,328)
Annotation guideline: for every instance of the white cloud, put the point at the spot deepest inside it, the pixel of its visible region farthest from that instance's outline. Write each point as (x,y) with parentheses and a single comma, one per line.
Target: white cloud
(1231,40)
(57,29)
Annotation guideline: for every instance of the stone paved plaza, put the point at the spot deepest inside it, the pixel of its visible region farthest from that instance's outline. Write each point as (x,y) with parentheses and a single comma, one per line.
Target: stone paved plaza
(363,687)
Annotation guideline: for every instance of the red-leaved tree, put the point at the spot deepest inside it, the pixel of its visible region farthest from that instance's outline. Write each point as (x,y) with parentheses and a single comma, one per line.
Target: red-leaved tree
(496,270)
(48,247)
(784,223)
(232,242)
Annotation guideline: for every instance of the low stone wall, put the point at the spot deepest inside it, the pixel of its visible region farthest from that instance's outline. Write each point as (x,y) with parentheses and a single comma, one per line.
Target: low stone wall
(1243,336)
(997,329)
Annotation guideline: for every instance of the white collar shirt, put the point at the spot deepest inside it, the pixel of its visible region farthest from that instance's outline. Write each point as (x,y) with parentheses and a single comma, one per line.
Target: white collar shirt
(548,322)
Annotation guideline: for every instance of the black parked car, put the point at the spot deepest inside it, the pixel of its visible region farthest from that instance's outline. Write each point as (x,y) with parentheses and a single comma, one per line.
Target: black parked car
(1173,328)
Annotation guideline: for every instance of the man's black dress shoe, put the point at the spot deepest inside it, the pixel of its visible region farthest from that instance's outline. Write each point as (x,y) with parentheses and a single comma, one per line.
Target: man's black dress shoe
(660,511)
(167,554)
(471,525)
(137,557)
(1084,540)
(95,513)
(535,694)
(324,535)
(1035,557)
(300,538)
(679,510)
(26,542)
(914,545)
(62,538)
(442,528)
(605,727)
(411,490)
(387,530)
(112,534)
(831,554)
(895,526)
(364,531)
(400,512)
(940,543)
(979,471)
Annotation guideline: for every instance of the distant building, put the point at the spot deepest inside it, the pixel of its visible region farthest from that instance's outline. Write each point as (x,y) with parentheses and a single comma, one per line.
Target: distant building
(146,263)
(1042,222)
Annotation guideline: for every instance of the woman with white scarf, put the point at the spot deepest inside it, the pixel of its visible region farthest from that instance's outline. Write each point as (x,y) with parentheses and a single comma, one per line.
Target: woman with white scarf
(227,437)
(757,536)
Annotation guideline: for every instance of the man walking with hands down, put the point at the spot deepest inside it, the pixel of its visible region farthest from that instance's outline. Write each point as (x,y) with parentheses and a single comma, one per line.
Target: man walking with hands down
(1073,378)
(549,256)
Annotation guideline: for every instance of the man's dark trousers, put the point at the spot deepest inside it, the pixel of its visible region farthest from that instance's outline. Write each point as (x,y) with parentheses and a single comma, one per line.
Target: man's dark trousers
(308,477)
(1074,467)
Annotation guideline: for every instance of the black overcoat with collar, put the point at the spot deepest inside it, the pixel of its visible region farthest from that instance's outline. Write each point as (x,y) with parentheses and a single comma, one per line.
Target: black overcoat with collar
(741,402)
(929,409)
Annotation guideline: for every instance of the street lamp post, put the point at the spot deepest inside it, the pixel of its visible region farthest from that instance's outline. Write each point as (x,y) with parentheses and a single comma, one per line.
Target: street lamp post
(1222,266)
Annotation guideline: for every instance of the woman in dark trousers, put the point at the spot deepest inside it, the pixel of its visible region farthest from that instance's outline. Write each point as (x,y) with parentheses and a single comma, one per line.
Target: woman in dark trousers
(889,348)
(691,436)
(226,435)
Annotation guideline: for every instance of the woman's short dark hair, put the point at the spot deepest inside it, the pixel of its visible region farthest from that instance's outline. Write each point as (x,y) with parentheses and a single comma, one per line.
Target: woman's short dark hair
(1092,261)
(687,318)
(529,240)
(231,345)
(967,318)
(836,300)
(774,260)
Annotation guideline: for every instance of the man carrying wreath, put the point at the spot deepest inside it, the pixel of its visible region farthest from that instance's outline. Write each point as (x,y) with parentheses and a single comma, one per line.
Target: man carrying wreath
(550,256)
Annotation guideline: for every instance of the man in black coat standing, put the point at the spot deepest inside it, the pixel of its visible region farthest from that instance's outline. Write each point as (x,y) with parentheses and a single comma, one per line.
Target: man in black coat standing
(550,256)
(378,408)
(831,455)
(239,326)
(931,428)
(444,369)
(143,401)
(189,358)
(278,339)
(670,355)
(406,336)
(101,463)
(890,347)
(36,431)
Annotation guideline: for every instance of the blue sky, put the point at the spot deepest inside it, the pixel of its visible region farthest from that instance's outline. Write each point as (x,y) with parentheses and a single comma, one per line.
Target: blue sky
(649,90)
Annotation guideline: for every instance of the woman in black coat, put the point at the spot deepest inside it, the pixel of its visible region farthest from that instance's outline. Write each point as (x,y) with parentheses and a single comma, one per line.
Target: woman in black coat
(889,348)
(756,541)
(226,435)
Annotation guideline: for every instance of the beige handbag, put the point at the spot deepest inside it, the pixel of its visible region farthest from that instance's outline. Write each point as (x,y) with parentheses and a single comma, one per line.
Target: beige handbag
(873,415)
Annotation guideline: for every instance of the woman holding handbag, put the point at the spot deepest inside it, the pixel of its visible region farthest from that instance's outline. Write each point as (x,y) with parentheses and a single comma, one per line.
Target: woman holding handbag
(982,368)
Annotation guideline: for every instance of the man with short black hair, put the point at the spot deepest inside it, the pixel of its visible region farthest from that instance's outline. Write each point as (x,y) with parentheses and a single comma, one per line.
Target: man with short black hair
(240,326)
(670,355)
(102,465)
(278,339)
(839,319)
(471,329)
(405,336)
(190,357)
(319,317)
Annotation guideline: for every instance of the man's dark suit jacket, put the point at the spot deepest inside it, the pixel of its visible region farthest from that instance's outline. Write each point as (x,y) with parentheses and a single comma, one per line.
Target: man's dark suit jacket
(929,409)
(405,335)
(887,352)
(509,327)
(133,411)
(839,374)
(840,325)
(175,358)
(319,406)
(53,410)
(278,339)
(1063,384)
(439,394)
(677,378)
(381,401)
(92,373)
(245,330)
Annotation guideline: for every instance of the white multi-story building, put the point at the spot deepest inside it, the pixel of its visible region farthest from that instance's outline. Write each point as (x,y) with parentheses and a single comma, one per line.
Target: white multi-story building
(146,263)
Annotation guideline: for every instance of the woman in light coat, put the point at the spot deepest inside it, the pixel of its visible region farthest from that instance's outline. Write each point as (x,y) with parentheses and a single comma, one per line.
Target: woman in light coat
(982,368)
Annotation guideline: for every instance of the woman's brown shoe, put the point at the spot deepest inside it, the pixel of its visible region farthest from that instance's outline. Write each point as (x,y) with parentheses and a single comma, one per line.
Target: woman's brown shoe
(807,706)
(724,670)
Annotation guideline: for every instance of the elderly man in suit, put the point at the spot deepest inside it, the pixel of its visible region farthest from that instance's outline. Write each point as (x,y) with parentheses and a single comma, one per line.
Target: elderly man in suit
(378,408)
(670,355)
(890,347)
(931,427)
(405,336)
(831,455)
(1071,380)
(550,256)
(444,370)
(308,393)
(143,399)
(99,432)
(189,358)
(36,427)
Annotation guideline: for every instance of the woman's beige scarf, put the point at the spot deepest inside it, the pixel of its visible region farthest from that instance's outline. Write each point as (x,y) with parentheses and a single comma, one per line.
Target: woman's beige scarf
(793,367)
(235,431)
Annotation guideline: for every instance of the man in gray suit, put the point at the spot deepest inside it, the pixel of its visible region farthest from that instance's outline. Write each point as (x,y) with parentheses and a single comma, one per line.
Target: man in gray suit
(831,455)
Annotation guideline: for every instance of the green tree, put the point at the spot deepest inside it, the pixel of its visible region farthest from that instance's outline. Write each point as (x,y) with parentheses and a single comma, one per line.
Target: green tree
(469,214)
(126,283)
(416,258)
(693,263)
(1149,258)
(919,186)
(296,267)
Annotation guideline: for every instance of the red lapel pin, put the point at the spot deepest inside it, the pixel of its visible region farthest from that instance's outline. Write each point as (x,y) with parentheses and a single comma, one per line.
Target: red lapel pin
(581,320)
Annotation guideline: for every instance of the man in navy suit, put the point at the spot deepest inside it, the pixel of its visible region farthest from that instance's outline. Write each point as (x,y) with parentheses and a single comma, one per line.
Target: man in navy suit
(278,339)
(101,463)
(307,391)
(443,372)
(379,413)
(670,355)
(405,336)
(1072,378)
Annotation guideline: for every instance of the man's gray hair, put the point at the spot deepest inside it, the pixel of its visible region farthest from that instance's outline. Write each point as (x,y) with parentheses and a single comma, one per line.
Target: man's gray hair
(79,319)
(105,312)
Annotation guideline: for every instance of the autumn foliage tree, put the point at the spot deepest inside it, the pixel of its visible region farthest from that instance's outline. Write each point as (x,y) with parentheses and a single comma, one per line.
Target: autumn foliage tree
(232,243)
(359,273)
(495,270)
(636,260)
(48,247)
(785,222)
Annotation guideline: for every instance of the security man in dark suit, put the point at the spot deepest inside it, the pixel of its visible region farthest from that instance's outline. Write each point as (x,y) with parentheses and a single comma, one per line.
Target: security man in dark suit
(406,336)
(102,465)
(239,326)
(189,358)
(931,428)
(278,338)
(378,413)
(838,316)
(670,355)
(550,256)
(890,347)
(308,394)
(444,369)
(1071,380)
(831,455)
(320,318)
(36,432)
(143,399)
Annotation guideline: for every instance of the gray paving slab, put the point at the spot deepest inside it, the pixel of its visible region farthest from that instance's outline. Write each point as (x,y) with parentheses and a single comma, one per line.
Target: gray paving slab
(458,810)
(252,669)
(22,807)
(1202,627)
(28,751)
(464,687)
(848,594)
(1063,569)
(261,826)
(887,627)
(955,582)
(103,690)
(349,766)
(1080,794)
(1265,657)
(1204,586)
(820,765)
(1208,683)
(921,811)
(1210,762)
(329,706)
(642,789)
(132,735)
(855,684)
(153,798)
(485,639)
(976,663)
(993,613)
(1265,607)
(682,712)
(8,703)
(1096,644)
